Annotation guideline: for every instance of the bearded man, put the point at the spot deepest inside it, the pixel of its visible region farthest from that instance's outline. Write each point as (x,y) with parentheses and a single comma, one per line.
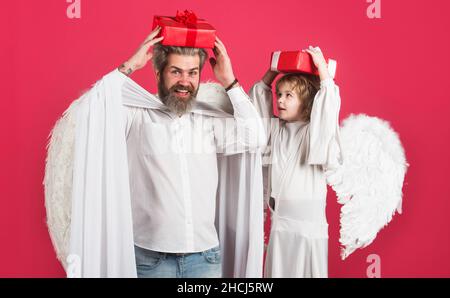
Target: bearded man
(151,195)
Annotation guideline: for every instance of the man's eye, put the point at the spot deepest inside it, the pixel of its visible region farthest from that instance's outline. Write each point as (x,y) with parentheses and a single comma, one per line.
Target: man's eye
(193,73)
(176,72)
(289,95)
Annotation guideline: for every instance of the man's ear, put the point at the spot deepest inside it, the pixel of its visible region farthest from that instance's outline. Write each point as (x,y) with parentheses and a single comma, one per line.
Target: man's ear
(158,76)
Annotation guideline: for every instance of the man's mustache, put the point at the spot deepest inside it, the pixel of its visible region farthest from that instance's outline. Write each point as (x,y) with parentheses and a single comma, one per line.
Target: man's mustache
(190,89)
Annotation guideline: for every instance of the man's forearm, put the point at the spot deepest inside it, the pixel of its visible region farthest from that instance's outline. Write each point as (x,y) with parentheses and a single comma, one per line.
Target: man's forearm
(126,68)
(242,105)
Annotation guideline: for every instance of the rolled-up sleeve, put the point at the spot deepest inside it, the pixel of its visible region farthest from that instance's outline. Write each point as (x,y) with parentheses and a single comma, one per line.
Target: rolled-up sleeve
(243,132)
(262,97)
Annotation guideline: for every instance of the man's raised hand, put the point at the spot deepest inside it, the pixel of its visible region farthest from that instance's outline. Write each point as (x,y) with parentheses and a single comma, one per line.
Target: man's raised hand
(221,64)
(142,55)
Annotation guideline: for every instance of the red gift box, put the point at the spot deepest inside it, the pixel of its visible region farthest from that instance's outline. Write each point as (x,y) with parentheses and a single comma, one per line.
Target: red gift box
(185,30)
(298,61)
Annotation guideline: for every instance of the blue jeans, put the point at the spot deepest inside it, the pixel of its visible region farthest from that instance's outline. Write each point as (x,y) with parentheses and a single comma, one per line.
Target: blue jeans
(193,265)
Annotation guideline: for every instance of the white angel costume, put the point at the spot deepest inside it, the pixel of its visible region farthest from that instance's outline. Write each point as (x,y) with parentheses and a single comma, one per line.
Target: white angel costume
(301,158)
(298,244)
(93,201)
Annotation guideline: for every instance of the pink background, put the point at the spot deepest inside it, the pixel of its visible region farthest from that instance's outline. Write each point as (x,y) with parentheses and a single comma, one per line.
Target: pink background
(395,68)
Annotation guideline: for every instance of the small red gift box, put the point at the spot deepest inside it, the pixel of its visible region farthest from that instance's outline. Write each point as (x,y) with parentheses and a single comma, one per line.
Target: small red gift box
(298,61)
(185,30)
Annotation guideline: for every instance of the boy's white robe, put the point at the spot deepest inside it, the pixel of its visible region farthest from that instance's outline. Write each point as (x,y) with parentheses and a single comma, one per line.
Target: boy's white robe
(297,156)
(363,161)
(101,228)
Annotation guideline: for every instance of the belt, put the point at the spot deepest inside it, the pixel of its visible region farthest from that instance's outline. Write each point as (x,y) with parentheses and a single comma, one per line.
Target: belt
(180,254)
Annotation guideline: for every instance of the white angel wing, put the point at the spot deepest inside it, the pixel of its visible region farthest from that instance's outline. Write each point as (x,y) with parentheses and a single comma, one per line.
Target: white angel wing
(58,181)
(369,182)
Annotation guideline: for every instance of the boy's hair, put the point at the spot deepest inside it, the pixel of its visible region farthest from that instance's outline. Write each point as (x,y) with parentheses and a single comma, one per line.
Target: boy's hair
(161,53)
(305,86)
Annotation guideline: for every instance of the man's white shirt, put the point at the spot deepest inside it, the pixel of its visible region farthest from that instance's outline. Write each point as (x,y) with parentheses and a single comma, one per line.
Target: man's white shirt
(173,172)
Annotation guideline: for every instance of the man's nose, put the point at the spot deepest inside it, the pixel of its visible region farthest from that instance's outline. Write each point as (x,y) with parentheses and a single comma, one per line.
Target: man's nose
(184,80)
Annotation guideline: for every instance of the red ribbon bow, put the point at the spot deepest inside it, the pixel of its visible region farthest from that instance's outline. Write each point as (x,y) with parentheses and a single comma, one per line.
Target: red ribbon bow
(186,17)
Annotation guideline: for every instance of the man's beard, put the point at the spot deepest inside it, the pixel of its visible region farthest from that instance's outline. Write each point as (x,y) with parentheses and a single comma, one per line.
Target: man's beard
(176,104)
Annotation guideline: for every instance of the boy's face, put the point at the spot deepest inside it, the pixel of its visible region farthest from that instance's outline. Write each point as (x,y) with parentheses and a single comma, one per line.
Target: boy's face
(288,103)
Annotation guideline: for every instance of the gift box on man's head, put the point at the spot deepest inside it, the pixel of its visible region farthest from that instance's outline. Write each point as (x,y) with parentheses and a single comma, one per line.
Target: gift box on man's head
(298,62)
(185,30)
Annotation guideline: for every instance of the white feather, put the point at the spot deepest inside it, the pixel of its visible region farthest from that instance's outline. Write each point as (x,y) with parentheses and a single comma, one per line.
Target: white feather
(58,181)
(369,182)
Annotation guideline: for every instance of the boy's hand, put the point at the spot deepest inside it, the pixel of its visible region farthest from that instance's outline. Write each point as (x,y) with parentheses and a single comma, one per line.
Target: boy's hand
(269,77)
(319,62)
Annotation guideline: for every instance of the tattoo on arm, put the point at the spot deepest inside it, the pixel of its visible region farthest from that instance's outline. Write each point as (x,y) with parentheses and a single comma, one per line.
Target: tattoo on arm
(126,71)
